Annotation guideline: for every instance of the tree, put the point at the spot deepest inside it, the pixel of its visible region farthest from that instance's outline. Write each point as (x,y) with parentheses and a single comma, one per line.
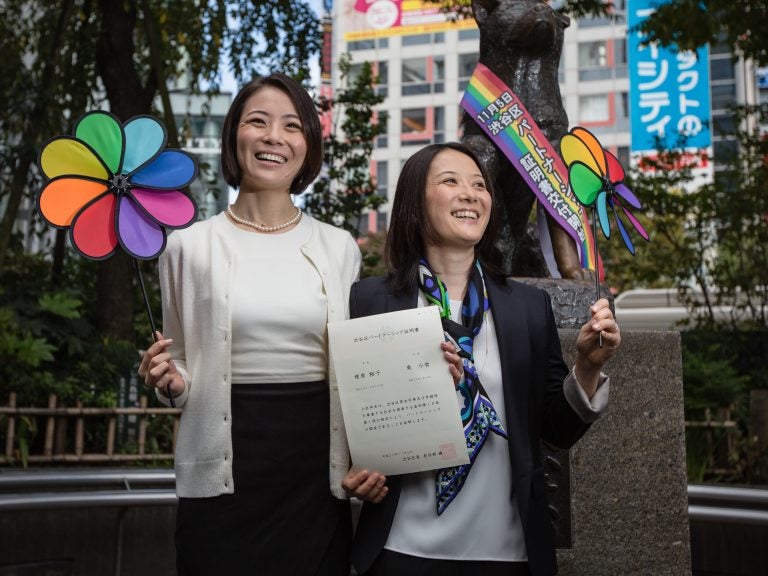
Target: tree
(690,24)
(345,190)
(574,8)
(58,56)
(685,23)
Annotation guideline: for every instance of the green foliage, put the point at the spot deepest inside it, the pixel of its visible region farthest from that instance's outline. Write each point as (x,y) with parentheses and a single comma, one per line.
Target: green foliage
(720,367)
(48,342)
(574,8)
(346,189)
(690,24)
(61,58)
(710,241)
(60,304)
(372,247)
(711,382)
(272,35)
(28,351)
(675,249)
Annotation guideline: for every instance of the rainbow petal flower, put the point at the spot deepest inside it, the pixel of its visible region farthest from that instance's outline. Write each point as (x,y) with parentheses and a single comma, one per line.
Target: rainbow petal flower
(115,183)
(597,180)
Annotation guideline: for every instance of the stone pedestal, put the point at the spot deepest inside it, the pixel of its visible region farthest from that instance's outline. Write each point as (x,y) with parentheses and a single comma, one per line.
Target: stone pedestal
(621,495)
(629,503)
(571,299)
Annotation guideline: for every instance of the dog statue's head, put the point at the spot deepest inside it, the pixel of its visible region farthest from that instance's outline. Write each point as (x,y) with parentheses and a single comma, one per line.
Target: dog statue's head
(530,25)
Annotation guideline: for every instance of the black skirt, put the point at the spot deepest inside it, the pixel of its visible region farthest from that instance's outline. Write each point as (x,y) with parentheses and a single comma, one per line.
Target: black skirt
(282,518)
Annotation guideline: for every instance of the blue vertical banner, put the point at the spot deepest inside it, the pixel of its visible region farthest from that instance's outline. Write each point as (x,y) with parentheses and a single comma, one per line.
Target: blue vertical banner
(669,89)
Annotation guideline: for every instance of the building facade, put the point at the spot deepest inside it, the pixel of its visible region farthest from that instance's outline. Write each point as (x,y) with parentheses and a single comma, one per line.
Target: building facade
(424,60)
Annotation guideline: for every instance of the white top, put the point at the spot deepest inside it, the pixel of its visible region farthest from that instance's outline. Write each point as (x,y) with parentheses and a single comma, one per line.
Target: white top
(417,530)
(278,304)
(197,272)
(483,521)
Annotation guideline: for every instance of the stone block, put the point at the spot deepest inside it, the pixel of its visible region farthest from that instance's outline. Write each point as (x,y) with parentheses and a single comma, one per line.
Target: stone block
(628,484)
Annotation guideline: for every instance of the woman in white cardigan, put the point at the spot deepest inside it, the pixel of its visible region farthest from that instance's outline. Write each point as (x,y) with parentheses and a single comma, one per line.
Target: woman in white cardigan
(247,295)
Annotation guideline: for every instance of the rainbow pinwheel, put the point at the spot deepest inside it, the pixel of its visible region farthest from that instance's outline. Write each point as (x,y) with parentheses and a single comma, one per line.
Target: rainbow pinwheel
(116,184)
(597,180)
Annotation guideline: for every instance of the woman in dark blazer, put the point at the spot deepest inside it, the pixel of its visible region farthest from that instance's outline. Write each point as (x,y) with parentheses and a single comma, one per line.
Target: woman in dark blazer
(489,517)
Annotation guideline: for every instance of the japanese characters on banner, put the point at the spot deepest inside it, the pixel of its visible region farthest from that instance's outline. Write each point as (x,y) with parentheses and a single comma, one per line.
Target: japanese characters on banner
(504,118)
(669,96)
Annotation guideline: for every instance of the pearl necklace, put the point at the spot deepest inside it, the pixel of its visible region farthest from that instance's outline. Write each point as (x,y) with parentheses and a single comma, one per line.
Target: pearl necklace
(262,227)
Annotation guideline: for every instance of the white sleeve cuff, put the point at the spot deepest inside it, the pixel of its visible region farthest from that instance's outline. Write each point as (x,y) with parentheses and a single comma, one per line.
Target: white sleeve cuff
(588,410)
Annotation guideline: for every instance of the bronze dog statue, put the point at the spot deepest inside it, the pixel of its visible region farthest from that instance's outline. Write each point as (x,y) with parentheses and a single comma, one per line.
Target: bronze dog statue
(521,42)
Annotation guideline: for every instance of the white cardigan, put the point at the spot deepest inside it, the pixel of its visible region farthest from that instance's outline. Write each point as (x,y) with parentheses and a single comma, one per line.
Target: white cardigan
(196,275)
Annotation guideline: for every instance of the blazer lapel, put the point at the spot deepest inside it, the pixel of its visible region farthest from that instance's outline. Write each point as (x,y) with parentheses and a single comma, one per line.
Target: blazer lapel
(510,320)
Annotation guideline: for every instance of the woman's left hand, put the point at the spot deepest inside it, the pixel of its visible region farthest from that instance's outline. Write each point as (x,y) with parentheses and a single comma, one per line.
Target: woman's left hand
(590,355)
(455,365)
(364,485)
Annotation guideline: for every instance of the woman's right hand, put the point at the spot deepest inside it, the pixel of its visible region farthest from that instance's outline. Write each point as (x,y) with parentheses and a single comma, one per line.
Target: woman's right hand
(158,370)
(365,486)
(455,363)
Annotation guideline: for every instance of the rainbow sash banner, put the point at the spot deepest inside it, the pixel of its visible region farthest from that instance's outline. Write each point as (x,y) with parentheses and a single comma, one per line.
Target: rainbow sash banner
(501,114)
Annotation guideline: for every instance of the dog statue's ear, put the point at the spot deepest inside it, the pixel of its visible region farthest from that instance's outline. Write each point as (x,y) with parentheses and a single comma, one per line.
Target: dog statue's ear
(481,9)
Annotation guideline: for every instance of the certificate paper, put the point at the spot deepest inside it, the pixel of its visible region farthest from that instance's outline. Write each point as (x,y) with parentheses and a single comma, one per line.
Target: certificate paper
(397,396)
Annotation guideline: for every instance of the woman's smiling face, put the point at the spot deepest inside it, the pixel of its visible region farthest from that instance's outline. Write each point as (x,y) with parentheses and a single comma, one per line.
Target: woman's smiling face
(271,145)
(458,204)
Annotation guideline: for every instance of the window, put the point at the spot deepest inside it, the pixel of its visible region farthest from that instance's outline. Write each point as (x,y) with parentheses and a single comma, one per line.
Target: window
(723,95)
(439,135)
(725,150)
(414,76)
(419,39)
(354,72)
(620,57)
(467,63)
(723,125)
(423,75)
(593,61)
(383,121)
(367,44)
(420,126)
(438,74)
(620,51)
(471,34)
(594,108)
(622,154)
(382,178)
(381,220)
(381,71)
(414,120)
(721,69)
(625,105)
(593,54)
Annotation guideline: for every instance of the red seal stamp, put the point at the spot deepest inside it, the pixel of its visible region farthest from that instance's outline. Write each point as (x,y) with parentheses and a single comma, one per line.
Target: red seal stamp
(447,451)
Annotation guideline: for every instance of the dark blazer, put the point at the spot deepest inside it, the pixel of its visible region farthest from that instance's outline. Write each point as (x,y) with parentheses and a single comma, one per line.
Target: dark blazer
(533,371)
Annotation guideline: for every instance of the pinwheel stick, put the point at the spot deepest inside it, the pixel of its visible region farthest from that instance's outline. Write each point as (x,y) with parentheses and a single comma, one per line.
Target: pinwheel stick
(137,267)
(597,268)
